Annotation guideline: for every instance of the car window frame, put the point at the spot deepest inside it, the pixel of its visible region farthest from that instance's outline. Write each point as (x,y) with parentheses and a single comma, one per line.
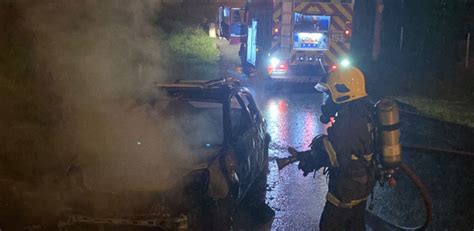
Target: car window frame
(251,101)
(245,110)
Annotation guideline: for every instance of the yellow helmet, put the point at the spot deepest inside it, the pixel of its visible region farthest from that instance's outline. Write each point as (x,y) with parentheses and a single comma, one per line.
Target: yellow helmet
(344,84)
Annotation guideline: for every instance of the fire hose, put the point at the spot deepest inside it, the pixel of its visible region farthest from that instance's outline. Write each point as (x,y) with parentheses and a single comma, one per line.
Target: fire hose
(424,195)
(423,192)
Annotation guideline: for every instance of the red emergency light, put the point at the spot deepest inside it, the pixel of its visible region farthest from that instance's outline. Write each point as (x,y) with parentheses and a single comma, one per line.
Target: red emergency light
(333,67)
(347,34)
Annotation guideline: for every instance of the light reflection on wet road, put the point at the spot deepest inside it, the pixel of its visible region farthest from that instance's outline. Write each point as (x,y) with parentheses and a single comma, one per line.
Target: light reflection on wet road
(293,120)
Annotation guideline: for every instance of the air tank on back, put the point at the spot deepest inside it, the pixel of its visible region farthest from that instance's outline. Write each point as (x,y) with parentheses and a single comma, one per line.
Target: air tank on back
(388,118)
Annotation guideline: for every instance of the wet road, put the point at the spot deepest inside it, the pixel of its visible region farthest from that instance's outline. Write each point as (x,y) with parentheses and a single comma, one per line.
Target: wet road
(292,116)
(293,121)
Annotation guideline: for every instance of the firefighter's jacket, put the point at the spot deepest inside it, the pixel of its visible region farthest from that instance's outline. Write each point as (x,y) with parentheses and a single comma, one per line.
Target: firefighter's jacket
(347,151)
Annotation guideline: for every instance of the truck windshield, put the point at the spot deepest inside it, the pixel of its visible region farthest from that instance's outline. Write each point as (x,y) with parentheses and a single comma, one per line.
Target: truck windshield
(311,32)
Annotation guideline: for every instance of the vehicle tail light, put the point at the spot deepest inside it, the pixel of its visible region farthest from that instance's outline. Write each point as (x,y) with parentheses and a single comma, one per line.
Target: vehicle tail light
(277,66)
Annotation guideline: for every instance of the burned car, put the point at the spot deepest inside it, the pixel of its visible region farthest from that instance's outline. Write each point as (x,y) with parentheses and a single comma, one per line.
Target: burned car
(226,145)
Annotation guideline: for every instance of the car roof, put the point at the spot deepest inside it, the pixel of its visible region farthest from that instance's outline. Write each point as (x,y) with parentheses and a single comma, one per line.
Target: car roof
(217,90)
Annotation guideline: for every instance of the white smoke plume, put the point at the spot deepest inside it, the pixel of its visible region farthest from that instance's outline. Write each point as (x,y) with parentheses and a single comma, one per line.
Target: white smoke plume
(100,60)
(102,56)
(78,114)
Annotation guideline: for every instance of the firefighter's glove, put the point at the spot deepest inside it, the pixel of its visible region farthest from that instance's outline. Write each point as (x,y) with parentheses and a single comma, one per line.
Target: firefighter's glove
(293,152)
(306,163)
(306,160)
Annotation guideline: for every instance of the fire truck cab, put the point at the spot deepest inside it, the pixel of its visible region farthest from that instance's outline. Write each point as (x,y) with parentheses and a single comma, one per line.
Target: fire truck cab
(298,40)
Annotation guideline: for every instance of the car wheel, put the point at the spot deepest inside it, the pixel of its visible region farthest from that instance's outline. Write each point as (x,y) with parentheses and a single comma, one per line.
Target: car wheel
(254,201)
(253,210)
(213,216)
(258,189)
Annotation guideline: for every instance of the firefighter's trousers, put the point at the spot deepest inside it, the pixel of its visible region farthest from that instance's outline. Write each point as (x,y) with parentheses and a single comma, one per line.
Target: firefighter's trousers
(337,218)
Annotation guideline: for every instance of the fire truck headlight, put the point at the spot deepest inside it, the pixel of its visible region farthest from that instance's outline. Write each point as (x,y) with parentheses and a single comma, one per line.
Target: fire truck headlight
(274,61)
(301,58)
(345,62)
(310,58)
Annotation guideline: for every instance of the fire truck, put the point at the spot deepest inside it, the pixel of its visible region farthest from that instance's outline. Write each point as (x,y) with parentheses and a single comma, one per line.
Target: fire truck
(298,40)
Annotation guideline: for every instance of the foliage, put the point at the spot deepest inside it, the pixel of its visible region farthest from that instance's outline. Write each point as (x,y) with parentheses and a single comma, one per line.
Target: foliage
(442,95)
(175,16)
(195,54)
(455,112)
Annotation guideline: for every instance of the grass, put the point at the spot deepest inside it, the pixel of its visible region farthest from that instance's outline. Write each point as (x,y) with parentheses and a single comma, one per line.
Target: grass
(195,54)
(456,112)
(444,95)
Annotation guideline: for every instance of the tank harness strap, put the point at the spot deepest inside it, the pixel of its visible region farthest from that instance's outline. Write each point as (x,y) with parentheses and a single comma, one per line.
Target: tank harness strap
(331,152)
(333,156)
(367,157)
(336,202)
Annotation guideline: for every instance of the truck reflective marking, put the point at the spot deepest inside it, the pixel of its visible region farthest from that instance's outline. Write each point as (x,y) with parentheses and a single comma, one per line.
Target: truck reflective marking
(313,10)
(300,7)
(343,11)
(341,24)
(277,13)
(327,9)
(338,49)
(331,56)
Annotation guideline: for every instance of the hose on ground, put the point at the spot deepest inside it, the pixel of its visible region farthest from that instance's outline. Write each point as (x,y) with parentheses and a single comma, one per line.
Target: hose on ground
(423,192)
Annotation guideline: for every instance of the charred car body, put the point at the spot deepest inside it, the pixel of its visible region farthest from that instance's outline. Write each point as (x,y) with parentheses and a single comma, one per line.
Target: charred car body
(229,144)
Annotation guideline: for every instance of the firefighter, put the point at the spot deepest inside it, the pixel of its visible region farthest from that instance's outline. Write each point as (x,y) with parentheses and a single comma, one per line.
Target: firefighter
(346,150)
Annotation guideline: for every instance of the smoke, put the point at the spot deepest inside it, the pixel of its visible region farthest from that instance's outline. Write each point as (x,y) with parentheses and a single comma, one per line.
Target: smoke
(101,58)
(76,109)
